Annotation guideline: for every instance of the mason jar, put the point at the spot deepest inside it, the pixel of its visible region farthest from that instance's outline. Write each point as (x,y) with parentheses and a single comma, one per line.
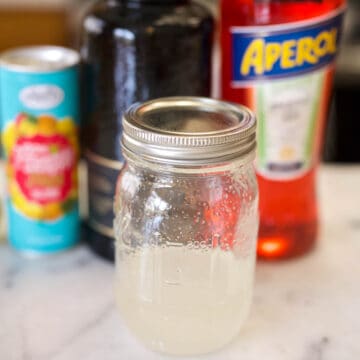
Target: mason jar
(186,223)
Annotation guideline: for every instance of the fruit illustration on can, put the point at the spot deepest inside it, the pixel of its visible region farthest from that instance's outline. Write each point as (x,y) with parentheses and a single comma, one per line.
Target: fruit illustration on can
(42,155)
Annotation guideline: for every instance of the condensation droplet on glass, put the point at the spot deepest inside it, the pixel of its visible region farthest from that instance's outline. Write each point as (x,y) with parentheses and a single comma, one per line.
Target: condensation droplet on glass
(203,244)
(227,247)
(216,240)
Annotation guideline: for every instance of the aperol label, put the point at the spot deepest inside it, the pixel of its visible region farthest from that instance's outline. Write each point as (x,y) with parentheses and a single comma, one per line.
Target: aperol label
(286,74)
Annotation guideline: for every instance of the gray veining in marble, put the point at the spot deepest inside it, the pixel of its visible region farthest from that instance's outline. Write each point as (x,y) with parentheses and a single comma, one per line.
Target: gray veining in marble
(62,307)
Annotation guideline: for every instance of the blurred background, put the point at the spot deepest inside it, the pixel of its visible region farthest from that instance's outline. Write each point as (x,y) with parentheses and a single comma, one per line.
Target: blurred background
(58,22)
(342,143)
(34,22)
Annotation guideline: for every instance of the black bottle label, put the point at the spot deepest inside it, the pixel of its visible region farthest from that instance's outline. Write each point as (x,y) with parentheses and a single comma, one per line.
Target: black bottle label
(102,176)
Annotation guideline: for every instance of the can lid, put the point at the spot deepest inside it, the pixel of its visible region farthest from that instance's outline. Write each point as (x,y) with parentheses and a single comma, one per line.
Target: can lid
(189,130)
(39,58)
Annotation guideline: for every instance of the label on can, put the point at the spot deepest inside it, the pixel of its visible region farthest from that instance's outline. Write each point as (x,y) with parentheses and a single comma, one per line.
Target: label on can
(285,72)
(40,143)
(103,174)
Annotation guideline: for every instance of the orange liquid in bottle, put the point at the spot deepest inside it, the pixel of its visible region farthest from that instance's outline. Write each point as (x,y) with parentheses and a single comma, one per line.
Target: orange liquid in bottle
(288,208)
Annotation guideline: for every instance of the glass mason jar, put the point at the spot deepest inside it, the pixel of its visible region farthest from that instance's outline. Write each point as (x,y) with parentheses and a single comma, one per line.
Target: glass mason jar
(186,223)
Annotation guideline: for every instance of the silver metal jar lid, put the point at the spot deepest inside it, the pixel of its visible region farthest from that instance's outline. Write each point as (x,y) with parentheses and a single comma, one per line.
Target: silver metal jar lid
(189,131)
(40,59)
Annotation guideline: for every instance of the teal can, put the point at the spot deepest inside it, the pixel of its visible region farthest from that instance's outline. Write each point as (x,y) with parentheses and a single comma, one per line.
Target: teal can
(39,108)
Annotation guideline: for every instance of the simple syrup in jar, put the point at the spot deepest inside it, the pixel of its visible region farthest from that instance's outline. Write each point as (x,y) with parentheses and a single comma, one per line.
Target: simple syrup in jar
(186,223)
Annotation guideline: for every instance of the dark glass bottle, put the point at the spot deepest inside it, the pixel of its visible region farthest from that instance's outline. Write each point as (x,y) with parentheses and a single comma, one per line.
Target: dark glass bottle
(342,143)
(134,51)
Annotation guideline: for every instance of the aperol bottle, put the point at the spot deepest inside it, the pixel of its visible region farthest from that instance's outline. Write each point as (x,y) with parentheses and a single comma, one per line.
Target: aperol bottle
(278,59)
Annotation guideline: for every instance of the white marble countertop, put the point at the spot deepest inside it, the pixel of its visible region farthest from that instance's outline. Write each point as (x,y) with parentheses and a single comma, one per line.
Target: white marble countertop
(61,307)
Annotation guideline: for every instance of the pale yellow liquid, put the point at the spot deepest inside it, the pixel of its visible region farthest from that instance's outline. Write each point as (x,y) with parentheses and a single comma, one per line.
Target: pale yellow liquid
(182,301)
